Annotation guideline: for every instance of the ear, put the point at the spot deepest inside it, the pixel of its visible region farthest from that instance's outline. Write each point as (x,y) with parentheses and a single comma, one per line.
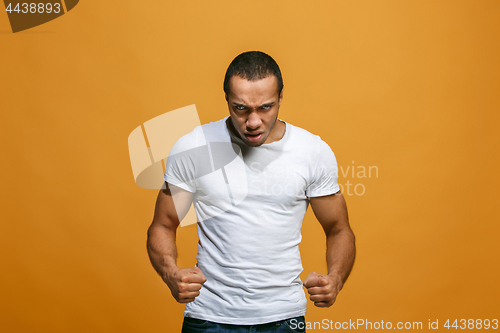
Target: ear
(281,96)
(225,95)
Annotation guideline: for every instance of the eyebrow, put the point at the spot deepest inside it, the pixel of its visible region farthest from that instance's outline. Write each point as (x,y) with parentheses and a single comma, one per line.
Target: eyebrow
(268,104)
(243,105)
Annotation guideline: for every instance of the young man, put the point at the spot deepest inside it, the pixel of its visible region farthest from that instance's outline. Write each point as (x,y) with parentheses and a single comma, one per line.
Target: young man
(251,177)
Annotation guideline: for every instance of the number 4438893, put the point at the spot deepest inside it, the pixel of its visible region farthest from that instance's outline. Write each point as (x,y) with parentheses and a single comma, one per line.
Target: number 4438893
(34,8)
(472,324)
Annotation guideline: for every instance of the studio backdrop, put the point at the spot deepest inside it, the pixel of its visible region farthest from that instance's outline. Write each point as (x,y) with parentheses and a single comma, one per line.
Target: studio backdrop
(404,92)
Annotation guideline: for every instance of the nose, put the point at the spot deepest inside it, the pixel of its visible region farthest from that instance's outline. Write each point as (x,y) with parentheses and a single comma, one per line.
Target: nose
(253,121)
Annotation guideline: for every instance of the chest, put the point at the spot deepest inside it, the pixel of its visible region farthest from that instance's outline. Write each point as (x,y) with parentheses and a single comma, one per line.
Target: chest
(259,177)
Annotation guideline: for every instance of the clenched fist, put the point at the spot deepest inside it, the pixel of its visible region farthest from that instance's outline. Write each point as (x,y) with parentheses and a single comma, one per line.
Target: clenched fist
(323,289)
(185,284)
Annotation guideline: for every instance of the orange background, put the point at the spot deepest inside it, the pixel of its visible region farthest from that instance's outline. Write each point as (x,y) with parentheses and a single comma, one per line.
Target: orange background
(411,87)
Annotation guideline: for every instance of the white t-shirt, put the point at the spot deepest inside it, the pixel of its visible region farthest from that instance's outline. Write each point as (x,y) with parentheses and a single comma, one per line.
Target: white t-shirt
(250,203)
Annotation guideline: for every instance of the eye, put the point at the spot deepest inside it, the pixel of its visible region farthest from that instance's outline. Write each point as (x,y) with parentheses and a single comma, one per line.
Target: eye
(240,107)
(265,107)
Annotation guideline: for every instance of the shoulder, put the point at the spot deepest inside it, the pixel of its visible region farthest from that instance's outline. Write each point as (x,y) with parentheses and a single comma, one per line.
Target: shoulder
(215,131)
(306,139)
(199,136)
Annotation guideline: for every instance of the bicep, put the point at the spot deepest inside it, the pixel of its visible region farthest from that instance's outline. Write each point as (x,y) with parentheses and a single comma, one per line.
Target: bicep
(331,212)
(172,205)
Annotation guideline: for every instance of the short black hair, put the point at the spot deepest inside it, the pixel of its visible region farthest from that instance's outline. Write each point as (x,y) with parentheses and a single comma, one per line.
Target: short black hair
(253,66)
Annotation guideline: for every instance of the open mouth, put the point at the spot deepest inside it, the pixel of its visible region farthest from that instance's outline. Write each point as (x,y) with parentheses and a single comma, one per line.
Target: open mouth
(254,137)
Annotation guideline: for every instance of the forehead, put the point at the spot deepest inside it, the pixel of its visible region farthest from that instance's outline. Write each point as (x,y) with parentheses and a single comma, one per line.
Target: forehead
(245,90)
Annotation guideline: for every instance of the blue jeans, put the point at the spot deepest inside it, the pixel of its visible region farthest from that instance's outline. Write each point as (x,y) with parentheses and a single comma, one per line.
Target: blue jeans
(291,325)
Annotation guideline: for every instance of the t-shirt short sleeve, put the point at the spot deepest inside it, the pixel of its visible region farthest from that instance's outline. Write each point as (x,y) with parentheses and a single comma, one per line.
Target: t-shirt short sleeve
(180,169)
(325,173)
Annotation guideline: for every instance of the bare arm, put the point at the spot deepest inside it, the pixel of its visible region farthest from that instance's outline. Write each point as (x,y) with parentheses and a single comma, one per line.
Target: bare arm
(331,212)
(172,205)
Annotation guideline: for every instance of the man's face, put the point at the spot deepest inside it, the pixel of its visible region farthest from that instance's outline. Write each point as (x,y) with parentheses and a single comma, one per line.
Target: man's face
(253,106)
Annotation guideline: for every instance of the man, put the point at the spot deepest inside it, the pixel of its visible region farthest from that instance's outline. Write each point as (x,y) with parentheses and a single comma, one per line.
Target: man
(251,177)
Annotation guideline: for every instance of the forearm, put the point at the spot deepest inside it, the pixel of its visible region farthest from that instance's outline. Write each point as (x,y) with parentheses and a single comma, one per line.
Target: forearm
(340,253)
(162,249)
(331,212)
